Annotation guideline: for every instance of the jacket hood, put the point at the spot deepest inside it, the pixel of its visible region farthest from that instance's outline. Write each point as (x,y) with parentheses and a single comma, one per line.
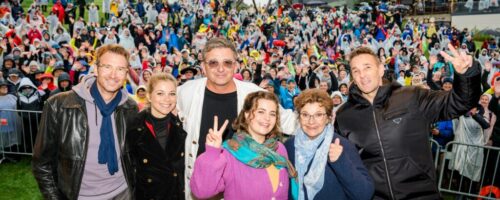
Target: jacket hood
(383,93)
(64,77)
(25,82)
(336,93)
(140,87)
(83,89)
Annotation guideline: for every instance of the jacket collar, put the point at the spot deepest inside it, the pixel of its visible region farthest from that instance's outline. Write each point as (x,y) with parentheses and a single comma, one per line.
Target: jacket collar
(75,101)
(383,93)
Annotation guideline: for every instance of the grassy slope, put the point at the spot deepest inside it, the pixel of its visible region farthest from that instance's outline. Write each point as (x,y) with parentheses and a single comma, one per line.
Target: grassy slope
(17,181)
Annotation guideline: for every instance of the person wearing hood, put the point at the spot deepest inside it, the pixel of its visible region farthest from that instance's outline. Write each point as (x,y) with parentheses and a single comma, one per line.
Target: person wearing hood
(61,35)
(47,83)
(33,34)
(288,93)
(337,102)
(93,14)
(32,72)
(10,124)
(151,15)
(32,99)
(63,84)
(145,76)
(126,40)
(8,63)
(93,116)
(13,80)
(140,97)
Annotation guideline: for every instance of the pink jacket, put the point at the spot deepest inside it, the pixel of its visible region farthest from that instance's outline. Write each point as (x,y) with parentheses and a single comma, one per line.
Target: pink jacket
(217,170)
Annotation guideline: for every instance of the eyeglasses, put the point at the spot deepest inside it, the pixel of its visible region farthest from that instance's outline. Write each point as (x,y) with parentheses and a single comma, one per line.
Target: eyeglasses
(317,116)
(213,64)
(119,70)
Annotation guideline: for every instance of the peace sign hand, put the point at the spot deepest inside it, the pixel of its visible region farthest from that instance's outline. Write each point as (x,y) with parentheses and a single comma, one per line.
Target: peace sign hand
(461,61)
(214,137)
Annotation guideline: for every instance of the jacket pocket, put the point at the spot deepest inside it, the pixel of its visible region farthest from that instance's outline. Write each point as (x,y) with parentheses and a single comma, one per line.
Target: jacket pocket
(395,113)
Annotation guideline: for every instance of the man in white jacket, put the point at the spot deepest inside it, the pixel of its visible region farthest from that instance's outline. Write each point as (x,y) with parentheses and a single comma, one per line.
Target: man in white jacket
(218,94)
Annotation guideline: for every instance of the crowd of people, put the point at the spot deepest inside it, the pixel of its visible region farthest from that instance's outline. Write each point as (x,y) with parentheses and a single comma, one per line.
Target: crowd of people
(182,63)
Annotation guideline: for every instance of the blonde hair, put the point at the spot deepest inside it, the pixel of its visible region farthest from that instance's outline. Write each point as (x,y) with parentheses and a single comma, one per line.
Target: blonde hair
(111,48)
(158,77)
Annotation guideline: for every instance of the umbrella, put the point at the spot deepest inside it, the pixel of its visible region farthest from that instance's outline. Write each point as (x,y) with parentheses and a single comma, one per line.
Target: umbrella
(315,3)
(298,6)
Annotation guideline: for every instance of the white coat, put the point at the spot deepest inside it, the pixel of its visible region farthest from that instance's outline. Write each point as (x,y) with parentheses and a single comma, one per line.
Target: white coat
(190,103)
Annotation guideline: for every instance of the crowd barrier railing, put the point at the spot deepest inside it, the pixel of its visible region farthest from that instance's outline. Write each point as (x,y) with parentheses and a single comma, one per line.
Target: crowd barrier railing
(18,130)
(470,171)
(463,169)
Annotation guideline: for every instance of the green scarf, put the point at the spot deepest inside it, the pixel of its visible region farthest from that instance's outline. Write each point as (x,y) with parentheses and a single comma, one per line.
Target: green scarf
(244,148)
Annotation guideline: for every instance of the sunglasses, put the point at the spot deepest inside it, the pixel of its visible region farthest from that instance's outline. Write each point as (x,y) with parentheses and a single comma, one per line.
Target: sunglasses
(213,64)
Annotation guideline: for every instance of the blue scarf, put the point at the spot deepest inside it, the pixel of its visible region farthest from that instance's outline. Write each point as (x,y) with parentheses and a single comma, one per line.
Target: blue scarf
(314,152)
(245,149)
(107,152)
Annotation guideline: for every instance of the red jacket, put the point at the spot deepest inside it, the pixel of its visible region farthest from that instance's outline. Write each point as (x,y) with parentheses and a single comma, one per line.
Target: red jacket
(34,34)
(59,10)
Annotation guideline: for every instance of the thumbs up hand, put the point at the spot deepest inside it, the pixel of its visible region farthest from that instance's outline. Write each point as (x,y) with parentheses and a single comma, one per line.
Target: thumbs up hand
(335,150)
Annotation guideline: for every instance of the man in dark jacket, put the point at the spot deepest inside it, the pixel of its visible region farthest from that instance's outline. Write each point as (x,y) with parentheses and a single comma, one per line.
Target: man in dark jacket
(63,84)
(79,151)
(13,80)
(390,124)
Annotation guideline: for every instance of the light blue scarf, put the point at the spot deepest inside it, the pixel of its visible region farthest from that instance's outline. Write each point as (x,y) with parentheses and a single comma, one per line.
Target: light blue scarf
(315,151)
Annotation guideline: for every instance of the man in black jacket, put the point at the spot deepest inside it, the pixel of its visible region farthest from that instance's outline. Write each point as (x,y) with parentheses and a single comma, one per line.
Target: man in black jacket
(390,124)
(80,147)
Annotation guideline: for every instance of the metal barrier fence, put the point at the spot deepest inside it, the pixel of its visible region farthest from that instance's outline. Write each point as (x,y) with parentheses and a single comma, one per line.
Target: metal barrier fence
(436,150)
(470,170)
(18,129)
(463,169)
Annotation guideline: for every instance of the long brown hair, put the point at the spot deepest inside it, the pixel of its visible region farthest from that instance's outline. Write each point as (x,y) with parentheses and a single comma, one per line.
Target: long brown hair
(250,105)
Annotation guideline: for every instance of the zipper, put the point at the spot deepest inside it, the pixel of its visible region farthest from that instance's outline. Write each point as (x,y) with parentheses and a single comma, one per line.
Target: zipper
(383,155)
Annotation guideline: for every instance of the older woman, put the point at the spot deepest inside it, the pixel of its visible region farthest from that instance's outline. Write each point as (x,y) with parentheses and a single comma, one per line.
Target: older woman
(328,165)
(251,165)
(156,140)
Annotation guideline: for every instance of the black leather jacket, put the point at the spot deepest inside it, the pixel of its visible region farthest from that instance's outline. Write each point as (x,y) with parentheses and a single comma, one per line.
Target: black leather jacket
(392,133)
(61,145)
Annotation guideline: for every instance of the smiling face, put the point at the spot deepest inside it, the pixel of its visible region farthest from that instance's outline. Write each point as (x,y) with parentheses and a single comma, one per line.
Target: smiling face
(111,73)
(313,119)
(163,98)
(367,73)
(484,101)
(219,67)
(263,119)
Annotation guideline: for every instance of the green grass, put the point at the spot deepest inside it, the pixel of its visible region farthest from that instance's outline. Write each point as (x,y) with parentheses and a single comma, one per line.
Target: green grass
(27,3)
(17,181)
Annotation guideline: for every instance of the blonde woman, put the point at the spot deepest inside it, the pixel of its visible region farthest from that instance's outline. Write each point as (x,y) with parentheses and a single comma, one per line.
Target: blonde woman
(156,138)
